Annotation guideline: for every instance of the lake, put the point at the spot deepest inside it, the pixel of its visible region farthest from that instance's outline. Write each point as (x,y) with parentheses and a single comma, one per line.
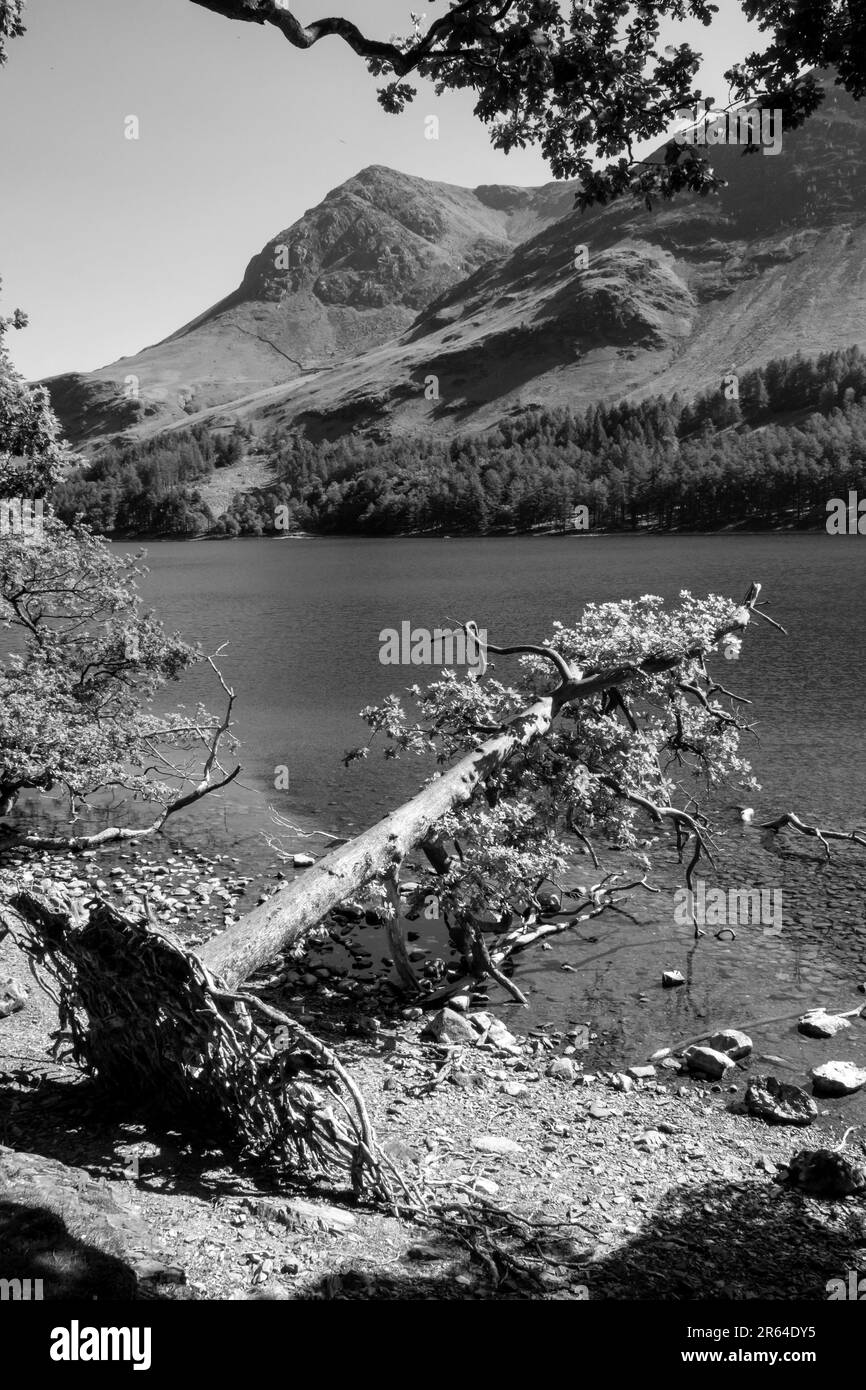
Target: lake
(302,620)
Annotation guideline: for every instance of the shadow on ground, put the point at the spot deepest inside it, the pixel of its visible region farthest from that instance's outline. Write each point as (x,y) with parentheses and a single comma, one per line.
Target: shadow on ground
(36,1244)
(733,1241)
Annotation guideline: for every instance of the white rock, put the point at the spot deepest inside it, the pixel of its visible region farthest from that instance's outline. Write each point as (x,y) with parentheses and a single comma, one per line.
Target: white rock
(303,861)
(650,1139)
(837,1078)
(817,1023)
(705,1061)
(460,1002)
(732,1042)
(495,1144)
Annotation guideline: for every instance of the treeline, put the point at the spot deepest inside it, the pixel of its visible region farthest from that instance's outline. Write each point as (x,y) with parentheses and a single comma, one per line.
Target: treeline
(149,486)
(768,449)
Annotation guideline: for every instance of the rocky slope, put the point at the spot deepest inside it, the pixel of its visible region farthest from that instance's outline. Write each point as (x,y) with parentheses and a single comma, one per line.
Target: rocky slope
(350,274)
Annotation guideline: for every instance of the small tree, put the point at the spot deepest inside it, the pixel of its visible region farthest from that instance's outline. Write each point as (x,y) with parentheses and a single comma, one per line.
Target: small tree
(77,690)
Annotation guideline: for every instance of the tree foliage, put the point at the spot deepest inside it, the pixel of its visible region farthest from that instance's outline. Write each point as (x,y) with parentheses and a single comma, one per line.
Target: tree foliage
(32,451)
(794,438)
(77,688)
(589,80)
(11,23)
(658,739)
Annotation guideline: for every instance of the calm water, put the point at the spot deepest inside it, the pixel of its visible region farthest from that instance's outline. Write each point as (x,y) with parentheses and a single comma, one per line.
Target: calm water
(302,621)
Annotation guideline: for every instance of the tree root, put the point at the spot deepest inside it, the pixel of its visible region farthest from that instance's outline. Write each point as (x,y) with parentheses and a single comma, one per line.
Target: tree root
(147,1021)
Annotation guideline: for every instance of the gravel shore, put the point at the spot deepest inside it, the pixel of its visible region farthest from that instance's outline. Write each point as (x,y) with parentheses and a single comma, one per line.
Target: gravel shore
(637,1188)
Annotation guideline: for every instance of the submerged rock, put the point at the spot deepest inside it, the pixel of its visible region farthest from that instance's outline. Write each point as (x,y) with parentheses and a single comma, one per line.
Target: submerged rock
(778,1102)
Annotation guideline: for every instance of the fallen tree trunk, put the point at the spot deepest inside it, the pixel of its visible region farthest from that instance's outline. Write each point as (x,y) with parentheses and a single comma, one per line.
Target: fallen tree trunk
(149,1018)
(286,918)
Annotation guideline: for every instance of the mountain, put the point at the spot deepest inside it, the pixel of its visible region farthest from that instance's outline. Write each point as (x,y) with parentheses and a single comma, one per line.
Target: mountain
(399,281)
(350,274)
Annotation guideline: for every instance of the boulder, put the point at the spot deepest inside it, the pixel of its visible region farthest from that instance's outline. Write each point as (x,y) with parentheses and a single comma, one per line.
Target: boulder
(817,1023)
(826,1173)
(561,1069)
(450,1027)
(672,978)
(778,1102)
(493,1030)
(641,1073)
(732,1042)
(705,1061)
(837,1078)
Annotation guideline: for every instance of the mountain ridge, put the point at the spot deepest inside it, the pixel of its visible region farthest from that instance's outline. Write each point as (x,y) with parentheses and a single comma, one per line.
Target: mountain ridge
(412,306)
(351,273)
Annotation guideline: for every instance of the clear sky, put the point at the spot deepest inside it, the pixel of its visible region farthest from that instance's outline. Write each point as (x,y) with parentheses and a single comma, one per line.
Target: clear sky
(110,244)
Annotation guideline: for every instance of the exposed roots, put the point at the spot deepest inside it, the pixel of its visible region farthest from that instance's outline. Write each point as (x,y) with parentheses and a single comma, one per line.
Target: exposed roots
(145,1019)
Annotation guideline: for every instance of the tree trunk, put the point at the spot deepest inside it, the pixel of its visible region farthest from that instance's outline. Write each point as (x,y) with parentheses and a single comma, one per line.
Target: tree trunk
(284,919)
(259,936)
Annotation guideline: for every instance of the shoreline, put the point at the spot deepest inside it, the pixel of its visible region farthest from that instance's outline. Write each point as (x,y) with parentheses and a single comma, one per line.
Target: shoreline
(535,534)
(624,1186)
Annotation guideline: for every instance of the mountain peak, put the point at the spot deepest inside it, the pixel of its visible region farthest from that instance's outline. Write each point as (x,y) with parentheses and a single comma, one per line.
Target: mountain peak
(341,318)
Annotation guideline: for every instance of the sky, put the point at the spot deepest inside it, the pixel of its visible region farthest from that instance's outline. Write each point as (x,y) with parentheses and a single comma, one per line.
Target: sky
(110,244)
